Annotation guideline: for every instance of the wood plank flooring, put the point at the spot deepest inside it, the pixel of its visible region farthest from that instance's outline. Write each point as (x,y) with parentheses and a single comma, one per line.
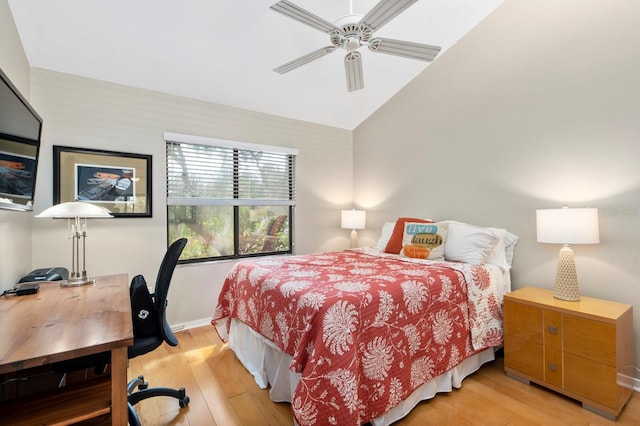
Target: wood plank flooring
(223,393)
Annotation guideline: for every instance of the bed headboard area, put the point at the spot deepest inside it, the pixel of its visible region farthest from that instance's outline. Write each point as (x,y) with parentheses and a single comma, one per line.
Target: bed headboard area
(458,241)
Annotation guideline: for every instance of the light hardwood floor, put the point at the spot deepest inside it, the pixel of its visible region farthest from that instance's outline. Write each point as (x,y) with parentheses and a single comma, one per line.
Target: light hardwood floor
(223,393)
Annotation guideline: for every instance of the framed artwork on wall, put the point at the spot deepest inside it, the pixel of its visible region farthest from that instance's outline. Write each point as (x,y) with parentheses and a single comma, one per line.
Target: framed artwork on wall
(117,181)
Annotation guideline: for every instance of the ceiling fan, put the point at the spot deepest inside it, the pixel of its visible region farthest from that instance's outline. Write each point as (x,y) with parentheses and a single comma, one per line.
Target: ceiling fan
(352,32)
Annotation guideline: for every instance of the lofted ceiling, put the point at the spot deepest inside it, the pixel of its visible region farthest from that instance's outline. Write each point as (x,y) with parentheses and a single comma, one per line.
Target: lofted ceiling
(224,51)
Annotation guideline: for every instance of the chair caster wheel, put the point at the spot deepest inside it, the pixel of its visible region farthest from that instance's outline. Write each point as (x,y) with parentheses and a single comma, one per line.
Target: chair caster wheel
(137,383)
(184,398)
(184,402)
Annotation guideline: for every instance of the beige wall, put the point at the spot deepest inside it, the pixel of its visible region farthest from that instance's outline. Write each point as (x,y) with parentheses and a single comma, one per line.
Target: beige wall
(15,227)
(537,107)
(80,112)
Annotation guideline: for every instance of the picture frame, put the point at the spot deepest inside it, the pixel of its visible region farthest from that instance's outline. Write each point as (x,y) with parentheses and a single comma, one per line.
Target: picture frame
(117,181)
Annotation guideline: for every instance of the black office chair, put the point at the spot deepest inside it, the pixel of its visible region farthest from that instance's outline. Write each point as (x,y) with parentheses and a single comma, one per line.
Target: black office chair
(150,330)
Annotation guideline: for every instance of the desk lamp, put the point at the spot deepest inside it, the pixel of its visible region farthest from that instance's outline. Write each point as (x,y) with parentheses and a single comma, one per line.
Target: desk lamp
(353,219)
(567,226)
(75,211)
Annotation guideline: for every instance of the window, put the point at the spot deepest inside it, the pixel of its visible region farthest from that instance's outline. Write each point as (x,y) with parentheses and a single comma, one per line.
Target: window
(230,199)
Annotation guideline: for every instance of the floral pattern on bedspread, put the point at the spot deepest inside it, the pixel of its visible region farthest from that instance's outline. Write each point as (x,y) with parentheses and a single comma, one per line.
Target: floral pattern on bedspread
(364,331)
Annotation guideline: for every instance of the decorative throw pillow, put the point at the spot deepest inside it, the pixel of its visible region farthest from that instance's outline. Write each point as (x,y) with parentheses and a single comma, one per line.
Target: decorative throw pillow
(394,245)
(424,240)
(469,243)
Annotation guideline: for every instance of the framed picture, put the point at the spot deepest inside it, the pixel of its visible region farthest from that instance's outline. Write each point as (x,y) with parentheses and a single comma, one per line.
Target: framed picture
(117,181)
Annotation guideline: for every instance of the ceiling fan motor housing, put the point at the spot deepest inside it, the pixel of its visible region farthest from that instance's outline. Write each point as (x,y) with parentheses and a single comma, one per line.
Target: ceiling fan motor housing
(351,36)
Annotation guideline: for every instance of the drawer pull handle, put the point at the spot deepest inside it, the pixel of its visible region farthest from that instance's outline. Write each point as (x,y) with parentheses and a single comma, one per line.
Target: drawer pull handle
(553,329)
(553,366)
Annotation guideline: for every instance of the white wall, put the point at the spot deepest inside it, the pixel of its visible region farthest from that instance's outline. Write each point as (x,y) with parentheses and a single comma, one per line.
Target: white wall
(86,113)
(15,227)
(537,107)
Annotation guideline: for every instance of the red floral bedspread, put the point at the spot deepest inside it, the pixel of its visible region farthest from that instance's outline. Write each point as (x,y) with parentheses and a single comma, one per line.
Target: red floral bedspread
(364,331)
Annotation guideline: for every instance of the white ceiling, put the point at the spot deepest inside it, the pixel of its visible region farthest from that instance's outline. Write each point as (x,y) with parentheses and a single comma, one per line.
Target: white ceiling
(224,51)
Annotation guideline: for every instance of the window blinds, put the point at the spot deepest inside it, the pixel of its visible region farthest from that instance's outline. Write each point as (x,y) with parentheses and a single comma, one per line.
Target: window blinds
(199,174)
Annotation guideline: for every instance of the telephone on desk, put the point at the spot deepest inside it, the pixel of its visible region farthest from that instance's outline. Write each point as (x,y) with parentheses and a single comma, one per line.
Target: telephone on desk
(29,284)
(46,274)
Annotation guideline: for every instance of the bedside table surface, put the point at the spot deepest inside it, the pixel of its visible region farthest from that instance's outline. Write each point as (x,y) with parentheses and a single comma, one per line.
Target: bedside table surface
(586,306)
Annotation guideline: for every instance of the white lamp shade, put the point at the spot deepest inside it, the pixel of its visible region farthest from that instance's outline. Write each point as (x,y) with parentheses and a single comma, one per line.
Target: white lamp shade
(353,219)
(568,226)
(75,209)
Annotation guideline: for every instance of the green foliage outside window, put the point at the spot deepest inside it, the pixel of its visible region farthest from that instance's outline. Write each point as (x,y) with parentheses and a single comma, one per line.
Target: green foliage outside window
(262,229)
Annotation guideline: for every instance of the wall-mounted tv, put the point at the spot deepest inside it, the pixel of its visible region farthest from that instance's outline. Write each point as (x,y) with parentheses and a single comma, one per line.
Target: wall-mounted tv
(20,130)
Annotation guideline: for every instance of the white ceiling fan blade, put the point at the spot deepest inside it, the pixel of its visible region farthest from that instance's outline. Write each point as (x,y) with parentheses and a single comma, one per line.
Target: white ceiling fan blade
(301,15)
(304,59)
(385,11)
(353,69)
(407,49)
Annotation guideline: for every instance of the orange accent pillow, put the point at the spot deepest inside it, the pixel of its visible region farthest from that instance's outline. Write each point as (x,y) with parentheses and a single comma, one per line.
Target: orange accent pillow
(394,245)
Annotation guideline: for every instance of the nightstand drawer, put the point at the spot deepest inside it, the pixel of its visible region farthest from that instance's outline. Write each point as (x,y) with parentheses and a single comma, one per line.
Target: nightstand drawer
(590,379)
(591,339)
(524,321)
(553,366)
(524,356)
(553,329)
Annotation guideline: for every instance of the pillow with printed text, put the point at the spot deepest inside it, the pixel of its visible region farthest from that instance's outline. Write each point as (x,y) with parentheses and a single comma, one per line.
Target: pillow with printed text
(424,240)
(394,243)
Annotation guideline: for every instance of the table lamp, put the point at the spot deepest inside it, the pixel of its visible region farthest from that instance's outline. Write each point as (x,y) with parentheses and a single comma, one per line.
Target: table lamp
(75,211)
(567,226)
(353,219)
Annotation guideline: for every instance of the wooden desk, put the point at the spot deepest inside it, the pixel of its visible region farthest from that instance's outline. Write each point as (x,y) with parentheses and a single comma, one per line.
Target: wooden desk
(58,324)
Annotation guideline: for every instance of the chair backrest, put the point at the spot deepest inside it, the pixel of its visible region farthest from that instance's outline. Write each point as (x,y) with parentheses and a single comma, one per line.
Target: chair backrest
(161,291)
(165,273)
(144,315)
(149,310)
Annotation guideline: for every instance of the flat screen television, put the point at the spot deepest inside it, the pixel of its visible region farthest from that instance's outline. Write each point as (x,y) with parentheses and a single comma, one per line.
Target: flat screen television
(20,131)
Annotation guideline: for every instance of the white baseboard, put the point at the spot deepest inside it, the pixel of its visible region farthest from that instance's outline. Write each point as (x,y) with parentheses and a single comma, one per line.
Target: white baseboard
(628,381)
(191,324)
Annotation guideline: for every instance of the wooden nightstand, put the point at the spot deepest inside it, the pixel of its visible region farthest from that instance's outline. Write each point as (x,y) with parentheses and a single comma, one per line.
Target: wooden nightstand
(584,349)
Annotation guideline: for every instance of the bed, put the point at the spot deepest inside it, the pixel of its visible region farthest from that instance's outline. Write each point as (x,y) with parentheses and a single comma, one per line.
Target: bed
(363,335)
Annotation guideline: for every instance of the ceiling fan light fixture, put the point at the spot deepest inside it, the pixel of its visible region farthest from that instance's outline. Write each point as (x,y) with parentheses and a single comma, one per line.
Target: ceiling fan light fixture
(352,43)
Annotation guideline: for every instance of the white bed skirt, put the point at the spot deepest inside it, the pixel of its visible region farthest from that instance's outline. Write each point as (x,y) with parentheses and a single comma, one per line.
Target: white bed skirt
(270,367)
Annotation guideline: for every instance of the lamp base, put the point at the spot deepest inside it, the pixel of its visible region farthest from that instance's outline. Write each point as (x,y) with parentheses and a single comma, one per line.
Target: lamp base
(566,286)
(353,242)
(77,282)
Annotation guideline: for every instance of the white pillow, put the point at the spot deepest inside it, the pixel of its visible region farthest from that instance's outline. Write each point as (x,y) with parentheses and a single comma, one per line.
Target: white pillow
(469,243)
(387,230)
(510,240)
(498,256)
